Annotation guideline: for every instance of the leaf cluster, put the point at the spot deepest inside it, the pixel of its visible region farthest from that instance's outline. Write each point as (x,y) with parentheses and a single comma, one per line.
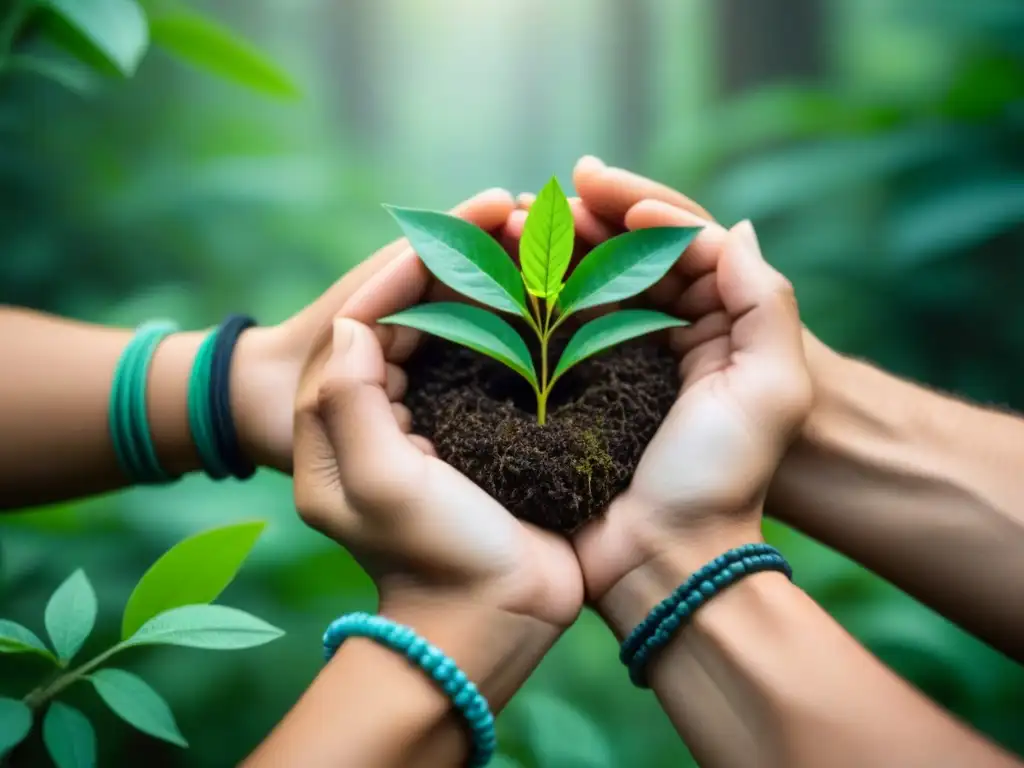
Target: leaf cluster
(170,605)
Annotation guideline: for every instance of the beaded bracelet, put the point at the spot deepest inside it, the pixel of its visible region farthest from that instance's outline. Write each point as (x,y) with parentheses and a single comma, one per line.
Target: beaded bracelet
(199,415)
(647,627)
(431,659)
(128,418)
(716,576)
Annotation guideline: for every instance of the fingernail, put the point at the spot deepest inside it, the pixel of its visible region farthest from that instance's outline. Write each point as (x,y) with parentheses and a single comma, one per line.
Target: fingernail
(590,160)
(342,335)
(745,229)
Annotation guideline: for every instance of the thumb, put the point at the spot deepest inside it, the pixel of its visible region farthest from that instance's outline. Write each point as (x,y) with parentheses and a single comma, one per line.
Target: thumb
(355,409)
(759,299)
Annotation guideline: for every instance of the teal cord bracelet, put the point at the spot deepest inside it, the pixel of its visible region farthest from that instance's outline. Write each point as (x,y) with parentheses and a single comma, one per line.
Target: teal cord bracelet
(715,579)
(200,417)
(128,417)
(464,695)
(647,627)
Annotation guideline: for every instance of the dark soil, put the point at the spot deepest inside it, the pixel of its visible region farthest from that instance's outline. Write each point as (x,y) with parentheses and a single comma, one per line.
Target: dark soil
(481,417)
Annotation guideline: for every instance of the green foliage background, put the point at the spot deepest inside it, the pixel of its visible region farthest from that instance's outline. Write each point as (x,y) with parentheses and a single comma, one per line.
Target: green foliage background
(891,191)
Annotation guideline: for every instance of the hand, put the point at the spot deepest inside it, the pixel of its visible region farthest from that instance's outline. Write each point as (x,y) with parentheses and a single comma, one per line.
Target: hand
(269,361)
(422,530)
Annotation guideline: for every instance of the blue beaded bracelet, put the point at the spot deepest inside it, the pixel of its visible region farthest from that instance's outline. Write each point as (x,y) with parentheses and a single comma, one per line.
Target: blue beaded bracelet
(715,577)
(432,660)
(647,627)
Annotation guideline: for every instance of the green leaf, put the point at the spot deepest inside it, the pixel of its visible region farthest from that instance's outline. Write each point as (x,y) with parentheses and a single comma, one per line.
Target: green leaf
(195,570)
(561,735)
(214,627)
(69,737)
(15,723)
(624,266)
(464,257)
(14,638)
(609,330)
(471,327)
(70,615)
(211,47)
(116,29)
(545,248)
(131,698)
(54,64)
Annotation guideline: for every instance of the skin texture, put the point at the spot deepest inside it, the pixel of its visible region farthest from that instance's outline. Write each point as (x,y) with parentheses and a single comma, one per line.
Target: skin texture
(54,401)
(897,477)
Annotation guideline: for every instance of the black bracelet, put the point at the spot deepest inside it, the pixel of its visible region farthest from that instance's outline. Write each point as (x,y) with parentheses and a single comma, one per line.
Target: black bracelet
(225,435)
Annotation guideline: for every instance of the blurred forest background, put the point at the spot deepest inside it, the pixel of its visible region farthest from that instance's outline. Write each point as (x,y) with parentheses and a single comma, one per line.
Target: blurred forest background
(878,145)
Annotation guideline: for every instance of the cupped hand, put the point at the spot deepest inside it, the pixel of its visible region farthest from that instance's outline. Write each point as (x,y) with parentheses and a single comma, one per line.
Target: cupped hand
(269,361)
(419,527)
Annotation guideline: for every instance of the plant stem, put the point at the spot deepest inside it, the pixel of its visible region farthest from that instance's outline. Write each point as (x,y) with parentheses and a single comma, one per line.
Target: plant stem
(44,693)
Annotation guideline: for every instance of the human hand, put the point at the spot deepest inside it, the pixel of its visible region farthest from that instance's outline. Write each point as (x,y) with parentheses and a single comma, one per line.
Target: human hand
(269,361)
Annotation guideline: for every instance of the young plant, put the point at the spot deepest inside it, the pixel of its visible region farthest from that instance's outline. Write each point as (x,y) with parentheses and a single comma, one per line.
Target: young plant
(169,606)
(467,259)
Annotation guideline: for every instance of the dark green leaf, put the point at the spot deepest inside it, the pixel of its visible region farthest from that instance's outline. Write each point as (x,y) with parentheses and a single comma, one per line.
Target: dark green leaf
(134,701)
(57,65)
(216,627)
(464,257)
(116,29)
(69,737)
(14,638)
(609,330)
(545,248)
(209,46)
(15,723)
(624,266)
(195,570)
(70,615)
(471,327)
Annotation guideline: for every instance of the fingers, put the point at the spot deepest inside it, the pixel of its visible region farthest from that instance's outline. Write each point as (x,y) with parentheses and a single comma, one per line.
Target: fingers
(395,383)
(611,192)
(357,415)
(701,256)
(404,280)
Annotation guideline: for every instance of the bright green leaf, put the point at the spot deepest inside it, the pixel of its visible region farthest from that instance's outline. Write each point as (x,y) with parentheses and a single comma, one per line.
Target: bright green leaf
(545,247)
(216,627)
(609,330)
(211,47)
(15,723)
(131,698)
(70,615)
(69,737)
(624,266)
(117,29)
(195,570)
(471,327)
(464,257)
(15,638)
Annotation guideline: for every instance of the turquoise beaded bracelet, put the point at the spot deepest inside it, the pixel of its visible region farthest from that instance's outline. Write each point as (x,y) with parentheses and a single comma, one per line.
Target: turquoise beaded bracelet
(432,660)
(673,612)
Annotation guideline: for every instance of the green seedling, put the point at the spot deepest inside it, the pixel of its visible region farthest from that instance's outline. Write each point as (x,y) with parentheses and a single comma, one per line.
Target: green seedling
(467,259)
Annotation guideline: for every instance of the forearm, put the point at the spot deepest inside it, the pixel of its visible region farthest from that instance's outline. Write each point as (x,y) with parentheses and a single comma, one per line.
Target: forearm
(371,707)
(922,489)
(55,438)
(762,676)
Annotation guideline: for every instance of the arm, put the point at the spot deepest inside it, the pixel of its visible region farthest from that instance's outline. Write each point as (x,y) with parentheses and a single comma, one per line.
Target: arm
(763,676)
(369,707)
(907,481)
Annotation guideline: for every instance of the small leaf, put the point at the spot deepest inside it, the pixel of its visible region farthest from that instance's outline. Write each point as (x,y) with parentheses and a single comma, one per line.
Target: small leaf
(464,257)
(214,627)
(195,570)
(115,28)
(15,723)
(545,247)
(209,46)
(69,737)
(471,327)
(70,615)
(131,698)
(609,330)
(624,266)
(15,638)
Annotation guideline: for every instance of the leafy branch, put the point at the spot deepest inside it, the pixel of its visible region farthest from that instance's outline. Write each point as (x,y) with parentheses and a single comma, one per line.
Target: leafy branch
(169,606)
(470,261)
